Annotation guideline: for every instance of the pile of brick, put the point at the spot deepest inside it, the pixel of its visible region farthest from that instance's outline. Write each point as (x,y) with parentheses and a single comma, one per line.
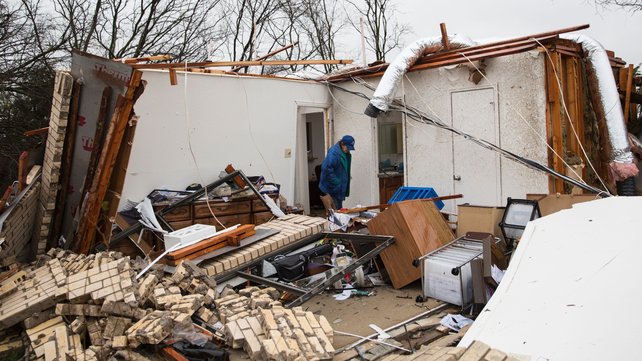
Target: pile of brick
(53,157)
(78,307)
(259,324)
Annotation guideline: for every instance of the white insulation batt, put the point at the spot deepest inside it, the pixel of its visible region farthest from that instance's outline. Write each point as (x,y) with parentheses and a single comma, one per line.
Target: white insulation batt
(573,288)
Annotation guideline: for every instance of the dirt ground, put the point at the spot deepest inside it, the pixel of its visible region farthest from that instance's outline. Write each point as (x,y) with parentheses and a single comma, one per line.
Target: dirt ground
(388,307)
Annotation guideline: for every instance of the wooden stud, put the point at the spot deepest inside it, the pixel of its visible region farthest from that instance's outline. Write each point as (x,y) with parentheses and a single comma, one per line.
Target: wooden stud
(100,182)
(172,77)
(30,133)
(118,179)
(554,121)
(444,36)
(23,159)
(627,95)
(269,55)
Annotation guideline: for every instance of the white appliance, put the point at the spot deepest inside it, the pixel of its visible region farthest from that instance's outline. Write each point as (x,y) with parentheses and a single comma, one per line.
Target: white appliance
(446,273)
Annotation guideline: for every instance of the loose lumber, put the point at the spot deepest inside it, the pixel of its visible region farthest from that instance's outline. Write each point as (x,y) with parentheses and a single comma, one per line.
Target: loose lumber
(30,133)
(22,170)
(509,46)
(386,205)
(268,55)
(418,228)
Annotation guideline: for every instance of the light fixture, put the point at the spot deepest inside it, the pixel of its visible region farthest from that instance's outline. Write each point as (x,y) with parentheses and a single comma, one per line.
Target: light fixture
(517,214)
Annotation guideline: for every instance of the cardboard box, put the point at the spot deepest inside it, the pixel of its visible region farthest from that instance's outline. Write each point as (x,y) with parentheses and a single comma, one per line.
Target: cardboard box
(471,218)
(551,203)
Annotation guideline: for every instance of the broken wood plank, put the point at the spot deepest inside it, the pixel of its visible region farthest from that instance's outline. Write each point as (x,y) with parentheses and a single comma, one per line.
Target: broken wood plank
(444,36)
(269,55)
(39,131)
(211,64)
(22,170)
(386,205)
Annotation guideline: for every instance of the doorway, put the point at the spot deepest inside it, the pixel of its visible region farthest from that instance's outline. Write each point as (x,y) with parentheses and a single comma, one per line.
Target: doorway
(311,150)
(390,154)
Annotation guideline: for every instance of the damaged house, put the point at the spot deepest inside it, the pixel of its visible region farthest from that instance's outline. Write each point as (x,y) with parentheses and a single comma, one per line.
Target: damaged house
(144,219)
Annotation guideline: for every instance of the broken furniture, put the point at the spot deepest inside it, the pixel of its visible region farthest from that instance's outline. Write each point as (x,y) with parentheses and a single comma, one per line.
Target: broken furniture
(418,228)
(129,231)
(244,210)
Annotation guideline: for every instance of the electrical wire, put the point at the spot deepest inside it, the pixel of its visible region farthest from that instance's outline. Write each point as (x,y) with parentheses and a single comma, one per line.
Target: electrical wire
(559,85)
(418,115)
(188,124)
(526,122)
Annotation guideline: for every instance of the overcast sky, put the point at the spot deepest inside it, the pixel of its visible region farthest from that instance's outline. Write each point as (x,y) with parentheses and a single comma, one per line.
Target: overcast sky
(616,29)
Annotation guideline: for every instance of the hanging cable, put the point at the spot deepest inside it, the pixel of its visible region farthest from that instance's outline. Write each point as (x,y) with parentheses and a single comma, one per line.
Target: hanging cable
(418,115)
(188,124)
(526,122)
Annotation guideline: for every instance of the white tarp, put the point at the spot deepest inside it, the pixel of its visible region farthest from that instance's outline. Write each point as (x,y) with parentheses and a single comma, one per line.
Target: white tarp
(575,275)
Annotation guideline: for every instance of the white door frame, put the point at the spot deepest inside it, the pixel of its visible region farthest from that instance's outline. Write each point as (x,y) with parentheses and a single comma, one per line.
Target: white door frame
(299,163)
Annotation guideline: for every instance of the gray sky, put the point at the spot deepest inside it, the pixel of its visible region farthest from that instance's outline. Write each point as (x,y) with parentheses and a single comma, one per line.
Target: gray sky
(616,29)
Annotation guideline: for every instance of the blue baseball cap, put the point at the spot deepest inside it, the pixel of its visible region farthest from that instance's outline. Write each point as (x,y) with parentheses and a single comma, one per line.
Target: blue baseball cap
(348,140)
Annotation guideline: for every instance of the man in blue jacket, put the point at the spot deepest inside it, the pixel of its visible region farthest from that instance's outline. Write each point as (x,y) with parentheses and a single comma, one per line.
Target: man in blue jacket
(335,174)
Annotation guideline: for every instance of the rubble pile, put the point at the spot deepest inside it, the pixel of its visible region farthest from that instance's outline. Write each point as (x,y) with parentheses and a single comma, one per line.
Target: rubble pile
(77,307)
(266,330)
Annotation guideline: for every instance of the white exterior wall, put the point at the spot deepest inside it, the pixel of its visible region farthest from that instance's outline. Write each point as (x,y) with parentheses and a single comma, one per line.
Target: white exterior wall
(246,121)
(429,151)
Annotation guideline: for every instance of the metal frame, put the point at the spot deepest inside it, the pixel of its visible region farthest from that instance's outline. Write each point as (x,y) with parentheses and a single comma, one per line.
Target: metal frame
(306,294)
(456,270)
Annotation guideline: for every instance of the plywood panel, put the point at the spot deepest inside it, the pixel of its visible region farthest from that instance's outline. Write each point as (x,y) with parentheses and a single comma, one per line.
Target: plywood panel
(418,228)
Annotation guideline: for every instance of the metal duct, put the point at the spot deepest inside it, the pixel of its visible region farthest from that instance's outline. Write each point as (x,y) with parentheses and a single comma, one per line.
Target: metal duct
(385,91)
(606,103)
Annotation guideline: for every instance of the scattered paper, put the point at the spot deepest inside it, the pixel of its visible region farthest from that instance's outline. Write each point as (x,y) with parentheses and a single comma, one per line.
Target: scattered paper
(382,334)
(455,322)
(496,273)
(343,295)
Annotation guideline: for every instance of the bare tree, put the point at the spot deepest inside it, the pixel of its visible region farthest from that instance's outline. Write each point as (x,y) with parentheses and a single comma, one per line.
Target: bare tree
(29,51)
(322,22)
(630,5)
(384,33)
(129,28)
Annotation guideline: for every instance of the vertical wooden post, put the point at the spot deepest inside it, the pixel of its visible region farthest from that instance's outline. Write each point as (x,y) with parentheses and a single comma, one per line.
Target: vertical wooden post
(554,123)
(22,170)
(444,36)
(627,95)
(173,80)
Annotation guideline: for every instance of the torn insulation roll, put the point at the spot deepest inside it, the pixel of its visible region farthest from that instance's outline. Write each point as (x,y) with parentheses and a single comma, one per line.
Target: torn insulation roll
(607,105)
(384,93)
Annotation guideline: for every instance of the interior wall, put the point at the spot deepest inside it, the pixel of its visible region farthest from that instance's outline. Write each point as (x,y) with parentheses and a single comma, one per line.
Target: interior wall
(429,150)
(221,120)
